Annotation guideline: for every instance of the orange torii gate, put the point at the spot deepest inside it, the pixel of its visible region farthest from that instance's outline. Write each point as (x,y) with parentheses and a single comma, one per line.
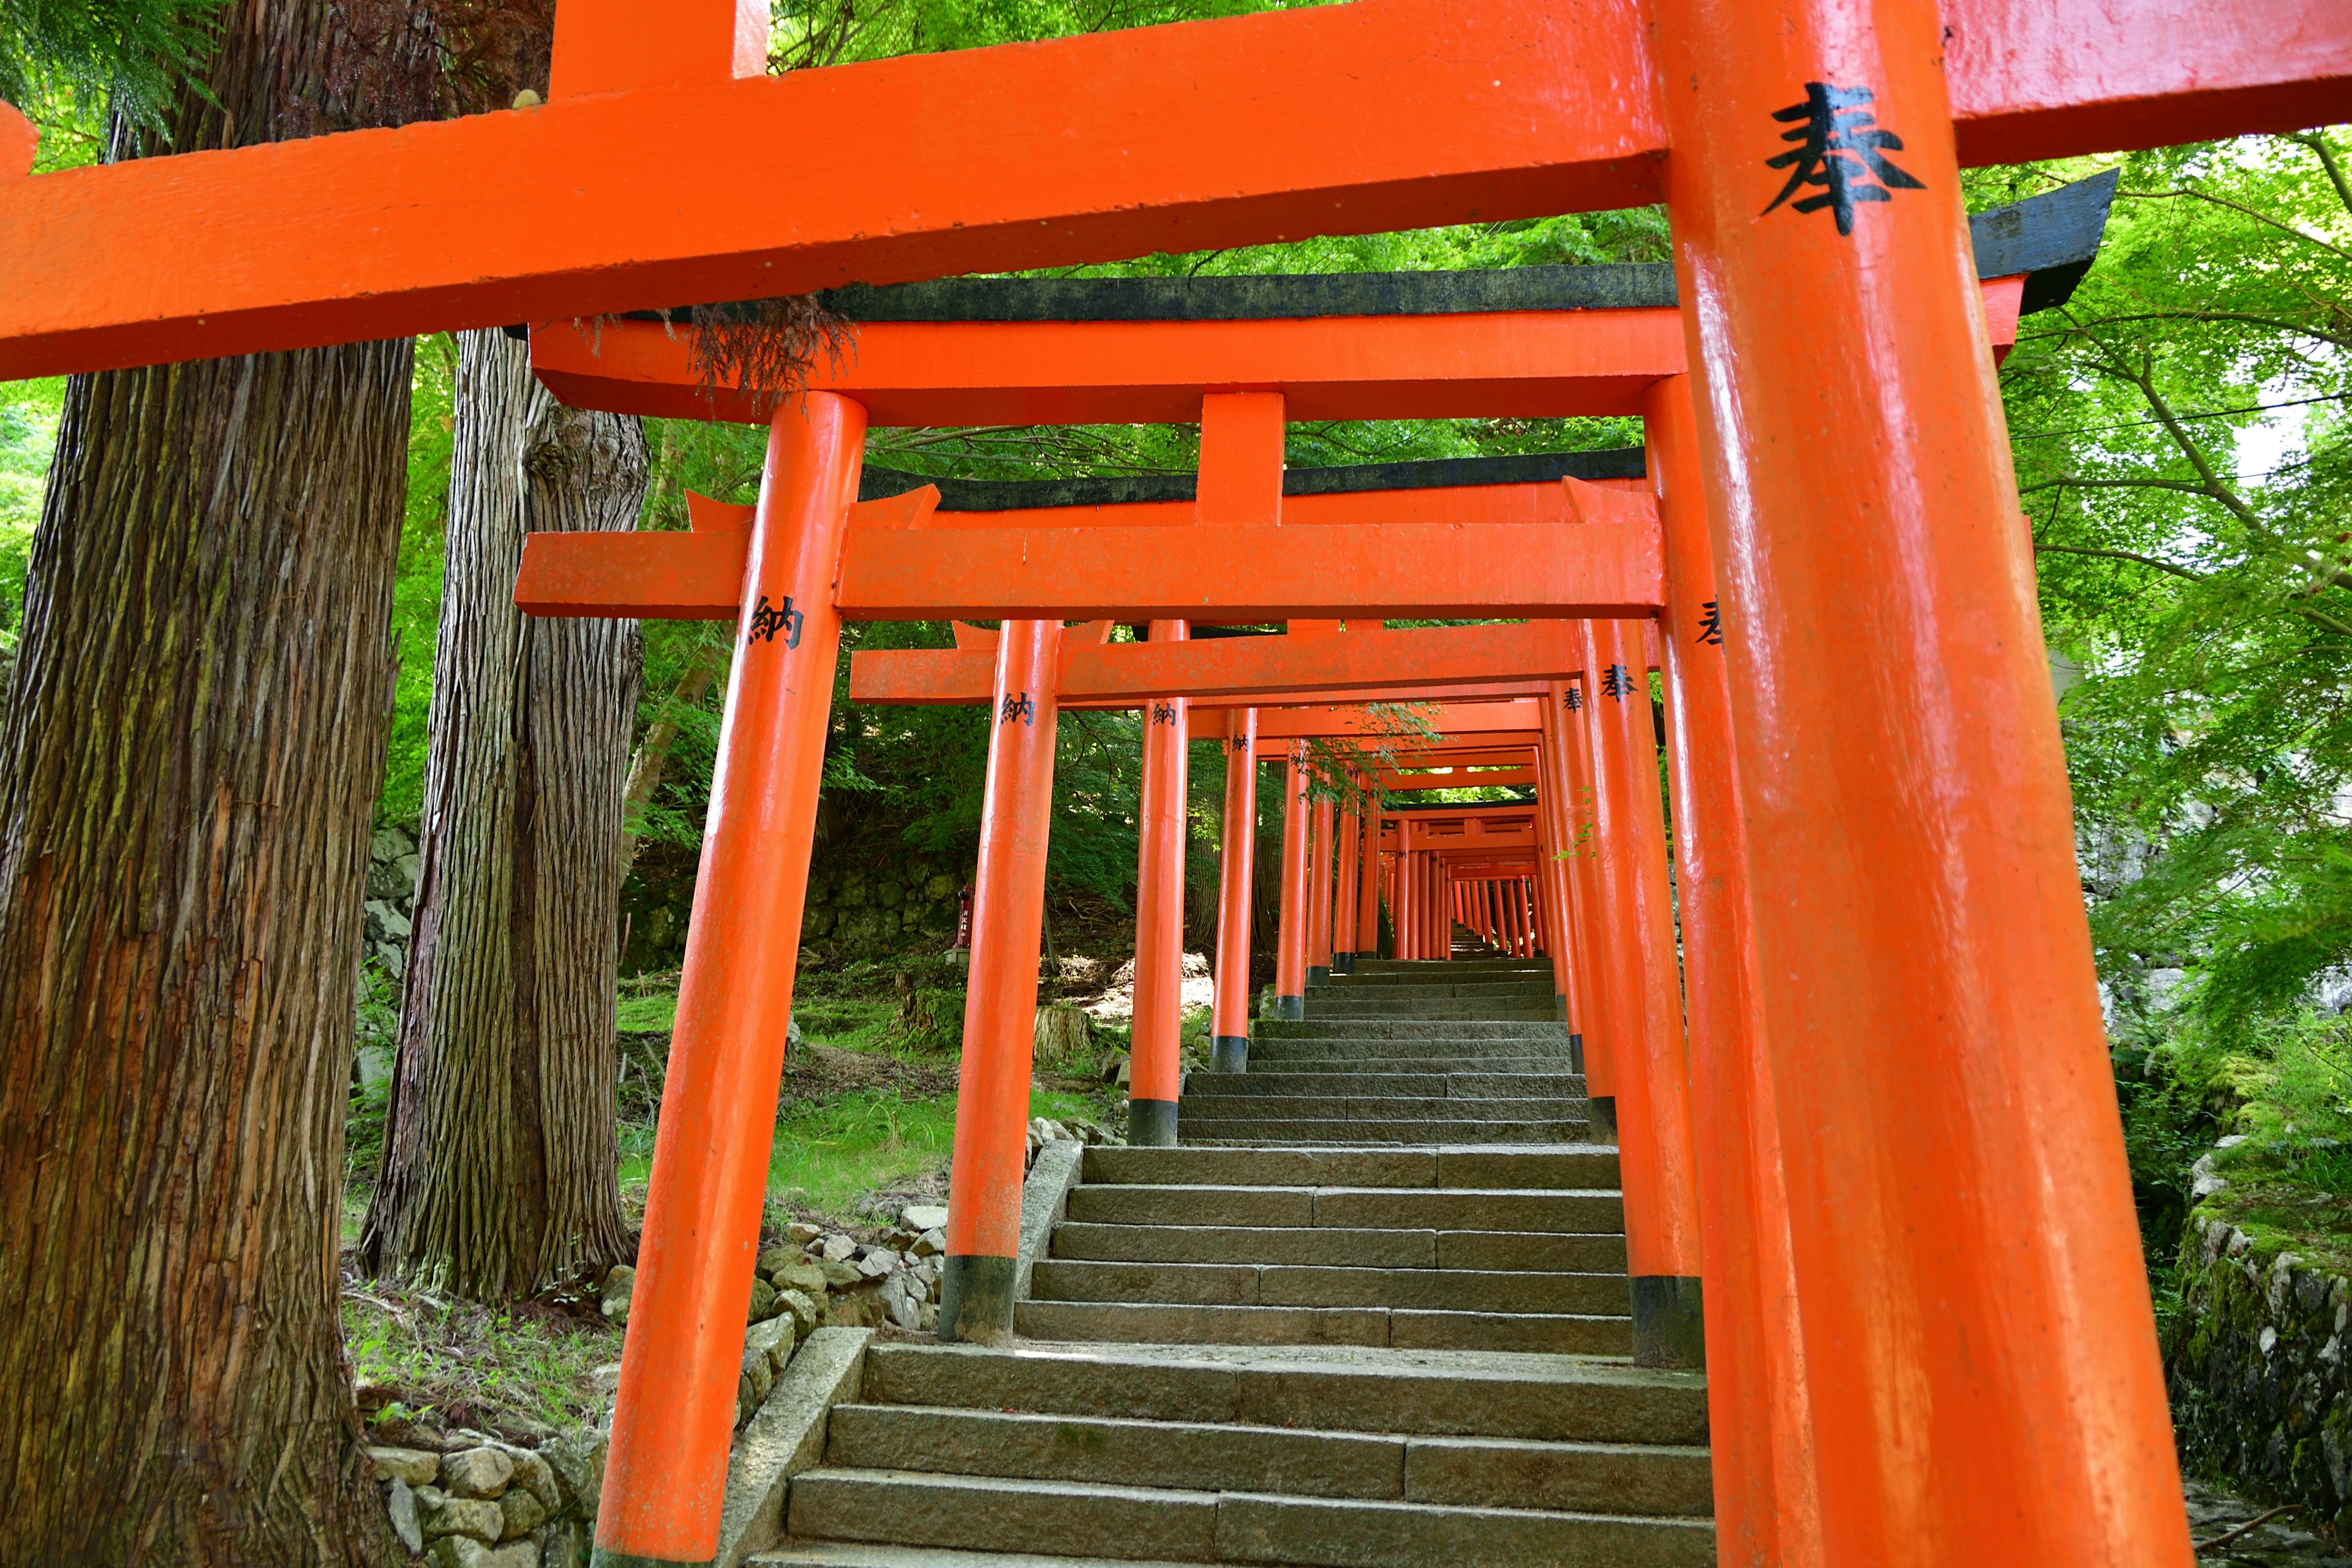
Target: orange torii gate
(1843,429)
(902,560)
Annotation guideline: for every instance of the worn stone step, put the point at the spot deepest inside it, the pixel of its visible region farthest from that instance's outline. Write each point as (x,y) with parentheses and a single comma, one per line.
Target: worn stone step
(1244,1133)
(1136,1523)
(1314,1285)
(1168,1324)
(1499,1010)
(1482,1085)
(791,1554)
(1372,970)
(1430,991)
(1567,1253)
(1448,1394)
(1321,1058)
(1476,1472)
(1437,1040)
(1380,1027)
(1384,1108)
(1573,1169)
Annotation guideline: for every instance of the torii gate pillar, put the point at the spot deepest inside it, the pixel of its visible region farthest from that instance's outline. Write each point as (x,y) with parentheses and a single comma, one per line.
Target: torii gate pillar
(1155,1062)
(675,1414)
(1000,1012)
(1981,1352)
(1766,1510)
(1236,870)
(1290,930)
(1319,863)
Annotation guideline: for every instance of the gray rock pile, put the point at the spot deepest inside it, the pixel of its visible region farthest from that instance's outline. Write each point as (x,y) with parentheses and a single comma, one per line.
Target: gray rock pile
(393,867)
(479,1502)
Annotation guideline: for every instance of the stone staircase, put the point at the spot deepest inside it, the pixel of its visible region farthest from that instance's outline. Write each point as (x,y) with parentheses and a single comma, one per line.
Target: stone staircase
(1403,1052)
(1389,1338)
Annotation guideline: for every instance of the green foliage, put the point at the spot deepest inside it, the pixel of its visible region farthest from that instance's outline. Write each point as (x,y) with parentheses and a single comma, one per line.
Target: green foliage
(2180,441)
(28,431)
(70,63)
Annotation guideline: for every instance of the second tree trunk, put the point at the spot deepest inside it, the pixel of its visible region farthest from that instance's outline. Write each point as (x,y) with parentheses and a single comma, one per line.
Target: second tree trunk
(499,1159)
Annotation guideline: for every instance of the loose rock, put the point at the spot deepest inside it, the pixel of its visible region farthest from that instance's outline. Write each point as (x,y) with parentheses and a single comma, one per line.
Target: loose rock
(801,1274)
(402,1505)
(802,1232)
(477,1517)
(804,1308)
(764,1300)
(415,1465)
(478,1473)
(619,1284)
(524,1513)
(838,1248)
(925,1216)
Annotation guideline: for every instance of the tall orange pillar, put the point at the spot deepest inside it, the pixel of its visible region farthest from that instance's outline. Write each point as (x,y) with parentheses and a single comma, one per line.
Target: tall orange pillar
(1405,912)
(1766,1510)
(1229,1020)
(1651,1062)
(1155,1060)
(1290,933)
(1981,1355)
(999,1012)
(673,1416)
(1368,878)
(1343,899)
(1591,1004)
(1552,864)
(1320,860)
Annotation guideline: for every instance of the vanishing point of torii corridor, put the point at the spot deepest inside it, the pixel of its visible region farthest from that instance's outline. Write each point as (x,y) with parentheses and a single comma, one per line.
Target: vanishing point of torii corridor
(1707,1153)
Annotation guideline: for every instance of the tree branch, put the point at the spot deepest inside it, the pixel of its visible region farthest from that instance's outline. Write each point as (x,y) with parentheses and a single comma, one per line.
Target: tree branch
(2040,548)
(2194,194)
(2317,142)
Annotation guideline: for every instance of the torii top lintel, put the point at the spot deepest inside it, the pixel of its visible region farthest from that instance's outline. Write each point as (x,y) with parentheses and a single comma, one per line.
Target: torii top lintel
(1378,116)
(1529,343)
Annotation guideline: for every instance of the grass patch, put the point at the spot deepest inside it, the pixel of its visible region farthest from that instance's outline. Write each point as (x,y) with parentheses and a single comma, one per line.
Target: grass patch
(489,1368)
(828,1152)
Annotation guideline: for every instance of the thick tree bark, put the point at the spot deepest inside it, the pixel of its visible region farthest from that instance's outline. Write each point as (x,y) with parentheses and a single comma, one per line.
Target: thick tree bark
(195,742)
(499,1167)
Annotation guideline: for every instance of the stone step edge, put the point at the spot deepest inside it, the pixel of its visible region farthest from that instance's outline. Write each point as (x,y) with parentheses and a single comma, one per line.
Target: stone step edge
(824,1474)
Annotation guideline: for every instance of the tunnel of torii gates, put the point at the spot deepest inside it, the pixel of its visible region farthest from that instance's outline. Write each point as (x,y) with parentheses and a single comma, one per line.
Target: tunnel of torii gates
(1605,561)
(1917,1090)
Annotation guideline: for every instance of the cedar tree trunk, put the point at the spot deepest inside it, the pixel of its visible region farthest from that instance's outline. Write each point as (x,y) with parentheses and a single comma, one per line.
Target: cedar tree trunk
(499,1166)
(195,745)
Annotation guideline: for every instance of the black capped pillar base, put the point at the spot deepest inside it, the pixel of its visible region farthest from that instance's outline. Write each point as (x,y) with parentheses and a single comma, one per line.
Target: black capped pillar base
(1604,1117)
(1319,975)
(976,1300)
(1151,1124)
(1560,1005)
(1343,964)
(1290,1006)
(1576,1053)
(1229,1053)
(1669,1326)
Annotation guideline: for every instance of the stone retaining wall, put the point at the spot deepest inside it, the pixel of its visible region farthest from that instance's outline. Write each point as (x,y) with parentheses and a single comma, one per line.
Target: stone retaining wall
(2255,1361)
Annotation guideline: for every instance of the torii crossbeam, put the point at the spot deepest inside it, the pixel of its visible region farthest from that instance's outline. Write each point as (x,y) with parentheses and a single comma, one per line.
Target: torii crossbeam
(1383,115)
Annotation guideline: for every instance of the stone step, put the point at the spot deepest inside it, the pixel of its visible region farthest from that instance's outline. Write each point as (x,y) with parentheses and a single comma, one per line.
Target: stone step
(1399,1327)
(1481,1085)
(791,1554)
(1469,1054)
(1455,1395)
(1245,1132)
(1310,1285)
(1383,1027)
(923,1508)
(1266,1063)
(1562,1252)
(1373,1107)
(1353,1208)
(1453,1168)
(1400,969)
(1499,1010)
(1429,991)
(1185,1454)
